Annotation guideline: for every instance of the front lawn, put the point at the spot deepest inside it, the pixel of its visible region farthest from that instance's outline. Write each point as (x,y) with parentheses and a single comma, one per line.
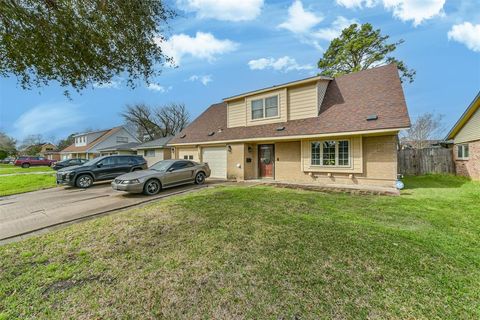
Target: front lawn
(25,182)
(259,253)
(9,168)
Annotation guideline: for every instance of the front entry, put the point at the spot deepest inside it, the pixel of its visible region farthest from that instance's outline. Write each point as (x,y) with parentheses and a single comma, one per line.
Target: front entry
(266,161)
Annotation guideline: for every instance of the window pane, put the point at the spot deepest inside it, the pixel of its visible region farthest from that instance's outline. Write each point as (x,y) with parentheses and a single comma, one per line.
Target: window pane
(271,107)
(465,151)
(343,158)
(459,151)
(328,153)
(315,153)
(257,109)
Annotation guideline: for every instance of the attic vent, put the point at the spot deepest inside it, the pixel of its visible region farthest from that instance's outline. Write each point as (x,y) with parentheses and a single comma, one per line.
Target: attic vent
(220,130)
(211,133)
(280,128)
(183,136)
(372,117)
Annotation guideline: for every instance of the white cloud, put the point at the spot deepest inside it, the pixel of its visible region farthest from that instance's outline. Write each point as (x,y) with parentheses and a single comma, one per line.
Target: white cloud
(299,20)
(304,24)
(113,84)
(334,30)
(47,118)
(158,88)
(205,79)
(415,10)
(466,33)
(227,10)
(356,3)
(284,64)
(203,46)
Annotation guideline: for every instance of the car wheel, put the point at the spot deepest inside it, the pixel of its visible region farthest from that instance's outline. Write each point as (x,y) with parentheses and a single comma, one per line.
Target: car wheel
(84,181)
(200,178)
(152,187)
(26,165)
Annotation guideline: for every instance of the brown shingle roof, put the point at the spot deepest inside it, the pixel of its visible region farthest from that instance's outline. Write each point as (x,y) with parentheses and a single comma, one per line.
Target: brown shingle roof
(349,100)
(106,134)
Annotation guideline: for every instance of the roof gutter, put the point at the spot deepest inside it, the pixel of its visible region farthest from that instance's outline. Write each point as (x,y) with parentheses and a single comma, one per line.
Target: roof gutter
(465,116)
(283,138)
(276,87)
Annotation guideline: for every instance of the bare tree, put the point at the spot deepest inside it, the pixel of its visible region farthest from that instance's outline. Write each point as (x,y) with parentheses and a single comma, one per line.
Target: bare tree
(155,122)
(424,129)
(7,144)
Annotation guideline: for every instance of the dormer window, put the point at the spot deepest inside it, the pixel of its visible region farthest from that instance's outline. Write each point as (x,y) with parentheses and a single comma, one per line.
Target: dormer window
(265,108)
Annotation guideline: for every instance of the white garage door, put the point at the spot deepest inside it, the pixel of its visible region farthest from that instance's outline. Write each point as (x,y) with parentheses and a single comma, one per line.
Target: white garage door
(216,157)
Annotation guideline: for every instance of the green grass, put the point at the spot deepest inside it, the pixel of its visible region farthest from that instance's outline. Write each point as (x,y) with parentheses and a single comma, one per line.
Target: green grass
(25,182)
(8,168)
(259,253)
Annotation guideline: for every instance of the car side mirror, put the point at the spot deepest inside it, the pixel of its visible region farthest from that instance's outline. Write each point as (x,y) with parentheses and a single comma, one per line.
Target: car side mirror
(170,169)
(99,165)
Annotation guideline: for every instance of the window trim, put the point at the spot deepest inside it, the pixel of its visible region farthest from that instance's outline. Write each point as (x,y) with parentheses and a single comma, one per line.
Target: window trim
(461,146)
(264,110)
(337,146)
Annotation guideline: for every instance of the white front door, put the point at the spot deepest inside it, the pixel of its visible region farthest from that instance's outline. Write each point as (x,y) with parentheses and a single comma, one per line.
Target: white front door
(216,157)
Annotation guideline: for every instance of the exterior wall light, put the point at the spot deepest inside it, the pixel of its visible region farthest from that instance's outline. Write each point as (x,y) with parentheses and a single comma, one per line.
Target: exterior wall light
(229,148)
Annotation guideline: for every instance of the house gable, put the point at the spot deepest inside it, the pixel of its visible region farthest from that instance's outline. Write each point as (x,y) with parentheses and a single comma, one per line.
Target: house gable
(118,137)
(298,100)
(467,127)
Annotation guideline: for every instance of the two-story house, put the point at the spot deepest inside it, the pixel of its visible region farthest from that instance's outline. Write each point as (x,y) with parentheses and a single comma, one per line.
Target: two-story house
(89,145)
(317,130)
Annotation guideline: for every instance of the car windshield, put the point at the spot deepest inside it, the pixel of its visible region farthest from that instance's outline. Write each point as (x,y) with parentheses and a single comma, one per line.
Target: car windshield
(162,165)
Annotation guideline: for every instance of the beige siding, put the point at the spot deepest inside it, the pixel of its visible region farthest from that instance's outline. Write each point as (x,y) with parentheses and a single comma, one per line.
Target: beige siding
(302,102)
(236,157)
(182,152)
(471,129)
(237,116)
(282,103)
(151,160)
(380,157)
(355,156)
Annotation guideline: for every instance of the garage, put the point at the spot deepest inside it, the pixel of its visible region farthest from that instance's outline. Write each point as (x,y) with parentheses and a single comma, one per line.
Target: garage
(216,157)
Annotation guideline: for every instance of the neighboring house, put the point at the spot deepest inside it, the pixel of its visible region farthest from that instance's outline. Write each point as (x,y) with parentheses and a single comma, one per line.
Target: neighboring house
(155,150)
(465,135)
(89,145)
(40,149)
(316,130)
(127,148)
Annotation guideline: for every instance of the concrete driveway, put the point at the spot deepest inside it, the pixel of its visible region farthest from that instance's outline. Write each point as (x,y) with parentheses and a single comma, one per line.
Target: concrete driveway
(29,212)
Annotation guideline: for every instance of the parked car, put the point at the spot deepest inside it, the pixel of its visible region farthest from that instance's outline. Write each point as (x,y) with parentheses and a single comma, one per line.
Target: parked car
(26,162)
(163,174)
(68,163)
(8,160)
(100,169)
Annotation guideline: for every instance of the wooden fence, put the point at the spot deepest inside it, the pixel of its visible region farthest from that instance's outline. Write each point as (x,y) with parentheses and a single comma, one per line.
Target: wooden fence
(423,161)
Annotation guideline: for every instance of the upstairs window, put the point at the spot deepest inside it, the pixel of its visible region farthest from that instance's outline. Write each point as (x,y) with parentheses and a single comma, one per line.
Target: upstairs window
(462,151)
(330,153)
(265,108)
(149,153)
(122,139)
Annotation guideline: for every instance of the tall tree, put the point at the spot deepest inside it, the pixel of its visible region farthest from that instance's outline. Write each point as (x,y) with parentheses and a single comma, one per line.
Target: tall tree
(63,143)
(80,43)
(360,48)
(425,128)
(7,144)
(155,122)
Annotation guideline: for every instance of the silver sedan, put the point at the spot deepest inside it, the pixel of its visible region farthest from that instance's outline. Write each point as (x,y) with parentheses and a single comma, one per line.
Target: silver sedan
(163,174)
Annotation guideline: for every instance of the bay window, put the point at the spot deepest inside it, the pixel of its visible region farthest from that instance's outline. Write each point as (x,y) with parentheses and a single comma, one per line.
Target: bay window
(330,153)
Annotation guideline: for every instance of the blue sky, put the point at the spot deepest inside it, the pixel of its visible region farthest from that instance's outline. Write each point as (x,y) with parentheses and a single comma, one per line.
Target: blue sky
(224,47)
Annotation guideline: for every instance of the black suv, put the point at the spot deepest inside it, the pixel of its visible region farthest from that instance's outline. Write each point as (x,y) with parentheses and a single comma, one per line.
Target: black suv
(99,169)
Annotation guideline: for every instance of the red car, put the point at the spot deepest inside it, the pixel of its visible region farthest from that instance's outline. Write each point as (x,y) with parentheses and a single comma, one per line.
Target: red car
(26,162)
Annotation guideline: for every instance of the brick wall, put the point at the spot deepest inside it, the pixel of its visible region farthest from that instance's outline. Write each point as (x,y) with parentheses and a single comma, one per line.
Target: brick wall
(471,167)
